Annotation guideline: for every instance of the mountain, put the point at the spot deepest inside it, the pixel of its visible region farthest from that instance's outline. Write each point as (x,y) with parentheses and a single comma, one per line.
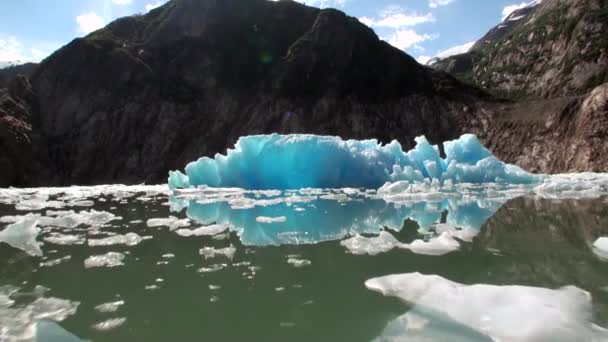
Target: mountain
(551,59)
(11,71)
(149,93)
(548,49)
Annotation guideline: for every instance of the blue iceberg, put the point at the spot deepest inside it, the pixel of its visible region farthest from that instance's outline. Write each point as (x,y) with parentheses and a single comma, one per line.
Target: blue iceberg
(309,161)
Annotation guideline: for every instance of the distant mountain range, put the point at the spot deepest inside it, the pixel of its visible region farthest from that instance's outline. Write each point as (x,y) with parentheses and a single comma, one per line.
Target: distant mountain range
(149,93)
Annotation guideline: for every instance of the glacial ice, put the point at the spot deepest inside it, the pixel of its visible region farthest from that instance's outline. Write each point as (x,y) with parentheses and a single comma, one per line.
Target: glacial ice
(444,240)
(110,259)
(22,235)
(110,306)
(300,161)
(211,252)
(211,230)
(129,239)
(109,324)
(502,313)
(33,321)
(600,248)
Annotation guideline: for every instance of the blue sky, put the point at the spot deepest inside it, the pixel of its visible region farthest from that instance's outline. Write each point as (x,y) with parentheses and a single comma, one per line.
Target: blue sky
(32,29)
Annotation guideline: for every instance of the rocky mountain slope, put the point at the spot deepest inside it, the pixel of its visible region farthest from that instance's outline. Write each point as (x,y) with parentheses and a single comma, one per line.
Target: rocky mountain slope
(150,93)
(556,48)
(10,72)
(551,59)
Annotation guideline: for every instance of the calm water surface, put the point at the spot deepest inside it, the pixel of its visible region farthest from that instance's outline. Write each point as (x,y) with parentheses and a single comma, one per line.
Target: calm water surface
(286,280)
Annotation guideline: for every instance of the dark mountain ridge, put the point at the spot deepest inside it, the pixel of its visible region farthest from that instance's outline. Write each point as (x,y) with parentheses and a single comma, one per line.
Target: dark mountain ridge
(147,94)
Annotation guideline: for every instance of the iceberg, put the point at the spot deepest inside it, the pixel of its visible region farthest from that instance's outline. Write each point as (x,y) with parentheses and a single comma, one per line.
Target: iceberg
(296,161)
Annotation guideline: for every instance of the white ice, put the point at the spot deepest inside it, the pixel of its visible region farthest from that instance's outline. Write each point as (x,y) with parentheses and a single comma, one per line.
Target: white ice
(600,248)
(129,239)
(211,252)
(22,235)
(503,313)
(110,259)
(266,219)
(203,231)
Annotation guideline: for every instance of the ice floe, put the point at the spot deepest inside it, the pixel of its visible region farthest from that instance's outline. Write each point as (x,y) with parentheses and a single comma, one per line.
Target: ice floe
(211,230)
(444,238)
(266,219)
(22,235)
(600,248)
(28,322)
(110,259)
(211,252)
(443,308)
(109,306)
(129,239)
(109,324)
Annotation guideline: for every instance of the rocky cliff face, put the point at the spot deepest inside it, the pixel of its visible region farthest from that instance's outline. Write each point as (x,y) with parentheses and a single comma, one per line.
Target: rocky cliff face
(556,48)
(16,160)
(150,93)
(551,59)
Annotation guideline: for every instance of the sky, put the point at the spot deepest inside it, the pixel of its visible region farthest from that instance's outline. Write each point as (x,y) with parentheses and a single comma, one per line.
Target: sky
(30,30)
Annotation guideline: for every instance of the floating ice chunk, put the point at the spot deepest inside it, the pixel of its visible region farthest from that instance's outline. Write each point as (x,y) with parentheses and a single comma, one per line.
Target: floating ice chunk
(600,248)
(443,243)
(83,203)
(172,222)
(211,252)
(438,245)
(55,262)
(51,331)
(65,239)
(20,322)
(129,239)
(503,313)
(109,324)
(38,203)
(22,235)
(203,231)
(466,234)
(298,262)
(266,219)
(110,259)
(110,306)
(252,164)
(574,185)
(382,243)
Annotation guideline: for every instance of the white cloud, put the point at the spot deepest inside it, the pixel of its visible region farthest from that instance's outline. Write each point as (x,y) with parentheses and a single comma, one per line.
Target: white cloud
(455,50)
(406,38)
(437,3)
(423,59)
(154,5)
(122,2)
(396,18)
(89,22)
(12,51)
(507,10)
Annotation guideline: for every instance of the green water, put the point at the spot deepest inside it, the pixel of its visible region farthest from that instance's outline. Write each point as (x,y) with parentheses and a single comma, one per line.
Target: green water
(258,296)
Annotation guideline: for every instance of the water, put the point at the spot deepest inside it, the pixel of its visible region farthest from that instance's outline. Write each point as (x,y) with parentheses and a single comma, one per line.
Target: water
(289,280)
